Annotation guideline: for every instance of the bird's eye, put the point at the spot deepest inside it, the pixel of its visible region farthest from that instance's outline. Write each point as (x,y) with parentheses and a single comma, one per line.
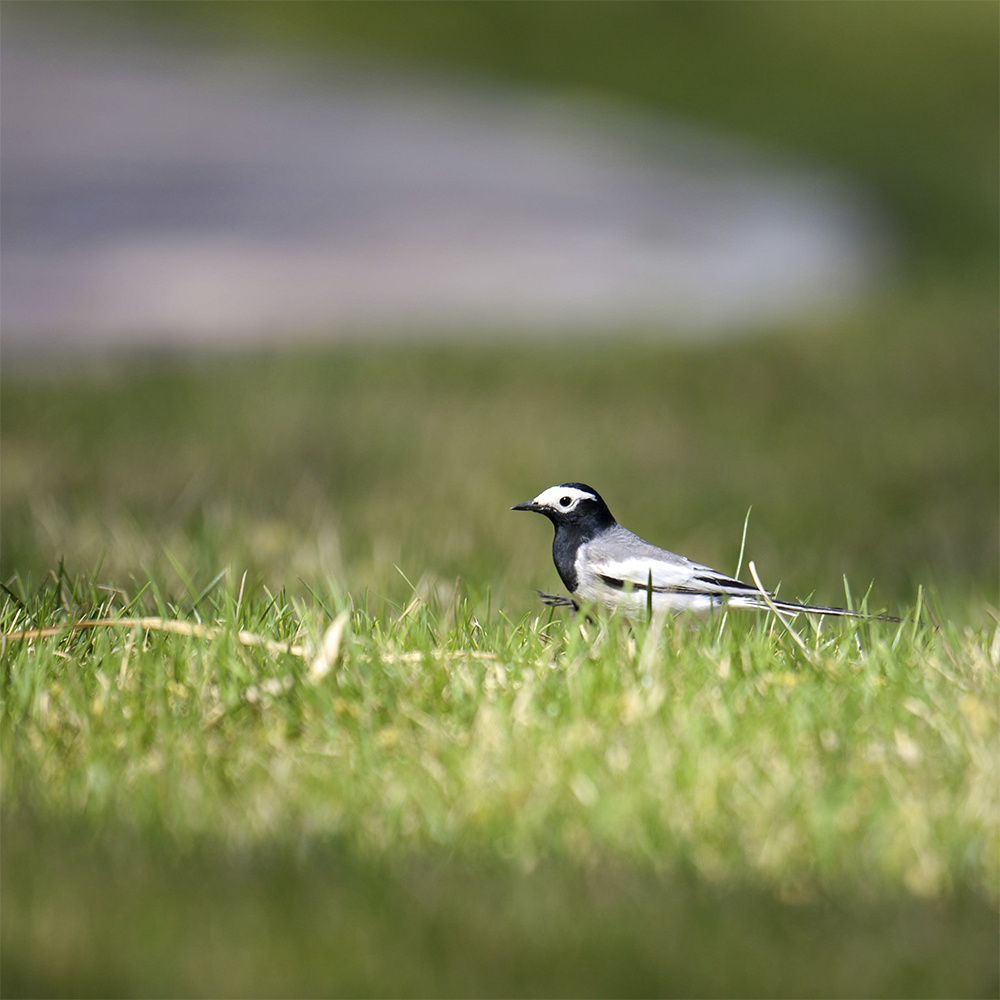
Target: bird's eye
(565,501)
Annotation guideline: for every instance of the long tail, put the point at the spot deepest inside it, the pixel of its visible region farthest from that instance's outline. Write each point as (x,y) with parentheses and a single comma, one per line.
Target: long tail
(793,608)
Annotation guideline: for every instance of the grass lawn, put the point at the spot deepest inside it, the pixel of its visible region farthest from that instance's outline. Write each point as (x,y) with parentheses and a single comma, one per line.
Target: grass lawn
(471,807)
(476,796)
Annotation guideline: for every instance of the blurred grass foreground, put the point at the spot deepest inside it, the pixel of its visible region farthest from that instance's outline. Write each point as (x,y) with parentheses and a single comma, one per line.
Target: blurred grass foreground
(365,761)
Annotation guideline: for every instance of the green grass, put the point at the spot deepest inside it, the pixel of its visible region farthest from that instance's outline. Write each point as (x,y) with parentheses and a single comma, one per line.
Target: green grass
(445,727)
(316,922)
(481,799)
(563,801)
(865,449)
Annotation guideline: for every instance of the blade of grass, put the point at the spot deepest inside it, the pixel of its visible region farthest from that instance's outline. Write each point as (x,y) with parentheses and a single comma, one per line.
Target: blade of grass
(766,597)
(176,626)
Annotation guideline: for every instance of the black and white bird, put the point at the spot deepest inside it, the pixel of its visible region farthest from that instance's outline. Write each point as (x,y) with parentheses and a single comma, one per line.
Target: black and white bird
(603,564)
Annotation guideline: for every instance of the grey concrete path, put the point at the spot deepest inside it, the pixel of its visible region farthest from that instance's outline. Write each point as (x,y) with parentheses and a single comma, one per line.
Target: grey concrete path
(158,196)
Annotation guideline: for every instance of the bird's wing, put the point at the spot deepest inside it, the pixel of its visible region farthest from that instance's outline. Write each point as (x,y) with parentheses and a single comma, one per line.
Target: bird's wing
(622,560)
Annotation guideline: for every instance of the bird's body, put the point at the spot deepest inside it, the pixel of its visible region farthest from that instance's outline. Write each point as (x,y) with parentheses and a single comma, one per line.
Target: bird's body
(604,564)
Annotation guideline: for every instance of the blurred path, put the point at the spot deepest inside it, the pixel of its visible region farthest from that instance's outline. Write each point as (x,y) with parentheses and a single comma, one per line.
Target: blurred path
(167,197)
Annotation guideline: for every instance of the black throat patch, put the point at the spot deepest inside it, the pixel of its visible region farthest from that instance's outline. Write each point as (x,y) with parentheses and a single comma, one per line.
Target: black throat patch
(564,548)
(570,535)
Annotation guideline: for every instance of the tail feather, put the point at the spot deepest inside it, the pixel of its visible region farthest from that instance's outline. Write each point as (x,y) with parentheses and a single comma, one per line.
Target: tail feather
(794,608)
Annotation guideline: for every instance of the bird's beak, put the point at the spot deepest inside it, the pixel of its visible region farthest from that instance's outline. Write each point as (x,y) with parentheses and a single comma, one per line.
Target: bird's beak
(530,505)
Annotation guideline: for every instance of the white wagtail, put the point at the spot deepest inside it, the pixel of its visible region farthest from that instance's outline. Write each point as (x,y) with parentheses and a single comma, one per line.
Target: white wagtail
(603,563)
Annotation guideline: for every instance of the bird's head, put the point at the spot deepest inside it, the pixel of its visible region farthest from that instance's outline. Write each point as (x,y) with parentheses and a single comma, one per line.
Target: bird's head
(572,504)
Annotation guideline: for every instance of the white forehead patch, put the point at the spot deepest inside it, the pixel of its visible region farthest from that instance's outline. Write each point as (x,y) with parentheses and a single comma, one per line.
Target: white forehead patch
(562,497)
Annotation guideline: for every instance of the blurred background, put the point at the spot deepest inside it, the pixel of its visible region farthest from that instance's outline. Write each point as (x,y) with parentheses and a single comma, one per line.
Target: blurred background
(320,289)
